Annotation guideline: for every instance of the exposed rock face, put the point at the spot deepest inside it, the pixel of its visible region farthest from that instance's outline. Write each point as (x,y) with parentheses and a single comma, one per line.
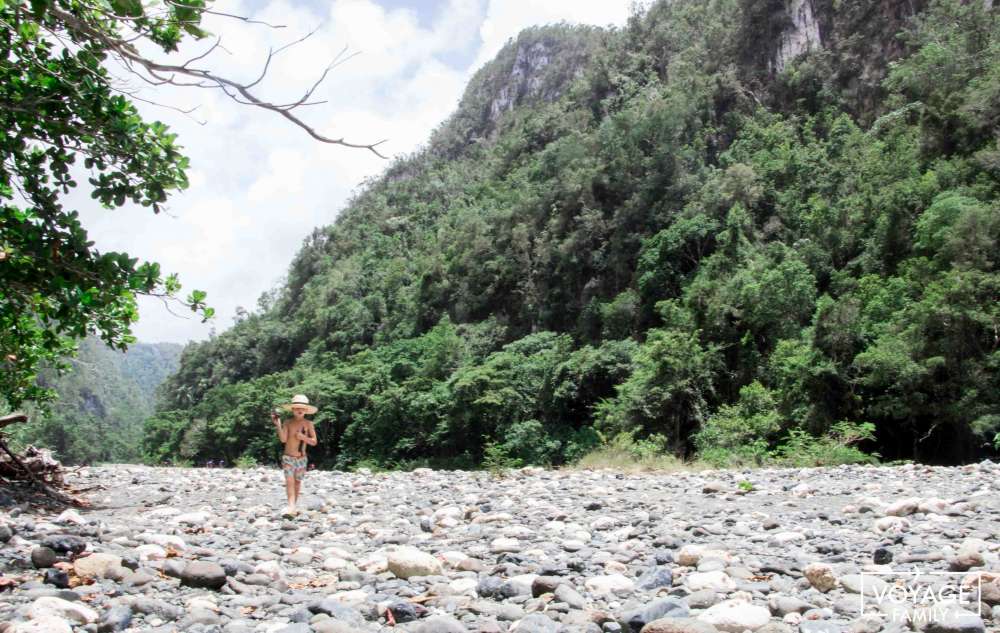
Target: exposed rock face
(536,67)
(524,80)
(801,36)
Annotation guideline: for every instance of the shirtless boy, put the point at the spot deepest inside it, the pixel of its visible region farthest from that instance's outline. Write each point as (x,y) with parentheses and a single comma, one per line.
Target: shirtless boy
(295,434)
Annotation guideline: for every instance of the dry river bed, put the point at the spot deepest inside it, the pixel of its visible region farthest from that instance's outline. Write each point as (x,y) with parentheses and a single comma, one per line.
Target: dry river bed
(814,550)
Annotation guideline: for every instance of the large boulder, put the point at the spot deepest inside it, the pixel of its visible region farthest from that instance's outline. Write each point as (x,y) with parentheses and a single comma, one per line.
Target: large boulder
(205,574)
(736,616)
(50,606)
(96,565)
(406,562)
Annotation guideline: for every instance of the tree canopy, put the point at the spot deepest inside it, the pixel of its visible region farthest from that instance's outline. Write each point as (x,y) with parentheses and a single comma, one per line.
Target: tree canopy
(660,237)
(67,116)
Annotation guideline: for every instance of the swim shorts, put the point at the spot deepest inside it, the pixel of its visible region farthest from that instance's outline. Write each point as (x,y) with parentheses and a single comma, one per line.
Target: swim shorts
(294,466)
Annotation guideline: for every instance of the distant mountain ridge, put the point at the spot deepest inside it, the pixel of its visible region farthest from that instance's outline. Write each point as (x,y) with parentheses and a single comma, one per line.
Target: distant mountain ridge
(103,400)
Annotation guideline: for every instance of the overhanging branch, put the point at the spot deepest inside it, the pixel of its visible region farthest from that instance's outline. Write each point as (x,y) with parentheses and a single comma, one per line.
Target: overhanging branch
(160,73)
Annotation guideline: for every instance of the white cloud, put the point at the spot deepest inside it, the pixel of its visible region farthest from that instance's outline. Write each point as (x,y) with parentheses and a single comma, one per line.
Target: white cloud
(259,185)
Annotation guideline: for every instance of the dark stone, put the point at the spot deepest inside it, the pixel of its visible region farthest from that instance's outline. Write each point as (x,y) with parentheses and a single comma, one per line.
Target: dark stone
(512,557)
(353,574)
(152,606)
(42,557)
(57,578)
(425,525)
(882,556)
(489,587)
(594,505)
(553,569)
(233,566)
(662,608)
(545,584)
(668,541)
(6,533)
(337,611)
(203,574)
(115,619)
(302,615)
(65,544)
(829,548)
(655,578)
(406,611)
(663,556)
(6,500)
(512,589)
(576,564)
(778,567)
(130,562)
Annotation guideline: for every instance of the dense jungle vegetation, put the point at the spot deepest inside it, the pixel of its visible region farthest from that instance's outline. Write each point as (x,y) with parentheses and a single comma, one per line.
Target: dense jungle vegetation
(104,398)
(665,234)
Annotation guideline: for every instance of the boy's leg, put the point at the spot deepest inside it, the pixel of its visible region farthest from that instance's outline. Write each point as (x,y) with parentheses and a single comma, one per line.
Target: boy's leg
(300,473)
(288,468)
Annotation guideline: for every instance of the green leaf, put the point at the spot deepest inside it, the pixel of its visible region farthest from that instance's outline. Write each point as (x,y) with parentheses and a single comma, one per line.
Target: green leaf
(130,8)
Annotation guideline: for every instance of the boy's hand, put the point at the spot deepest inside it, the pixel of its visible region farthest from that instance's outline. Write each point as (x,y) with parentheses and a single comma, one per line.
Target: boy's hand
(275,419)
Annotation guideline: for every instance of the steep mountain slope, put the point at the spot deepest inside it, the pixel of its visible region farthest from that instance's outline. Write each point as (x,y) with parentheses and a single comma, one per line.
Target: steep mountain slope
(102,402)
(737,228)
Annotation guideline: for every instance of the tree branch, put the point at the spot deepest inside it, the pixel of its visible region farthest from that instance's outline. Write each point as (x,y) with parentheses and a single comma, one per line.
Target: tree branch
(163,73)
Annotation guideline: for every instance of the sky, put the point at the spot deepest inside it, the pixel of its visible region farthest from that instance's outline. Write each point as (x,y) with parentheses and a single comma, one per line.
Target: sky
(258,184)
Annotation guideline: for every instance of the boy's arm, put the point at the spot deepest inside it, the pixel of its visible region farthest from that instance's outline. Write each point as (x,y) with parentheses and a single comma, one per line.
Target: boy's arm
(311,434)
(282,431)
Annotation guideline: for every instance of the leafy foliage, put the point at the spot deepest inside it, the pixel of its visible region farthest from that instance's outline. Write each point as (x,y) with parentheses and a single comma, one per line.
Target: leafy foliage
(58,104)
(103,400)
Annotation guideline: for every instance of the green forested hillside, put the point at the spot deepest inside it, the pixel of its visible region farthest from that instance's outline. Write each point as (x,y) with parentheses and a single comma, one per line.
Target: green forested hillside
(103,399)
(734,228)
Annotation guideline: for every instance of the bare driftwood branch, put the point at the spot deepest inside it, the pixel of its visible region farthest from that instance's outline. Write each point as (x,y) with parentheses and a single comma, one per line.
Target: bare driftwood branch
(159,73)
(10,468)
(12,418)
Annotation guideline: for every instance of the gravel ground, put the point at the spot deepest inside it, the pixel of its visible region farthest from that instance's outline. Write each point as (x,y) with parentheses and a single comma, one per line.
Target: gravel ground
(810,550)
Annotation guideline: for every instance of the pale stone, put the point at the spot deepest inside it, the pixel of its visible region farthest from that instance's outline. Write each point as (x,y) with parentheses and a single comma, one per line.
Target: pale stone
(715,580)
(96,565)
(57,607)
(43,624)
(820,576)
(891,525)
(736,616)
(503,544)
(150,552)
(406,562)
(200,517)
(903,507)
(609,584)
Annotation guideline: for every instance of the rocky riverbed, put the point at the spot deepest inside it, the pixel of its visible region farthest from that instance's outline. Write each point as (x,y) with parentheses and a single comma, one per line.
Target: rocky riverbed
(533,551)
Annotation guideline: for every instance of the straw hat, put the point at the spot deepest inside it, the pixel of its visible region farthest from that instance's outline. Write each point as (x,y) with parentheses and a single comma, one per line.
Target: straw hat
(299,401)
